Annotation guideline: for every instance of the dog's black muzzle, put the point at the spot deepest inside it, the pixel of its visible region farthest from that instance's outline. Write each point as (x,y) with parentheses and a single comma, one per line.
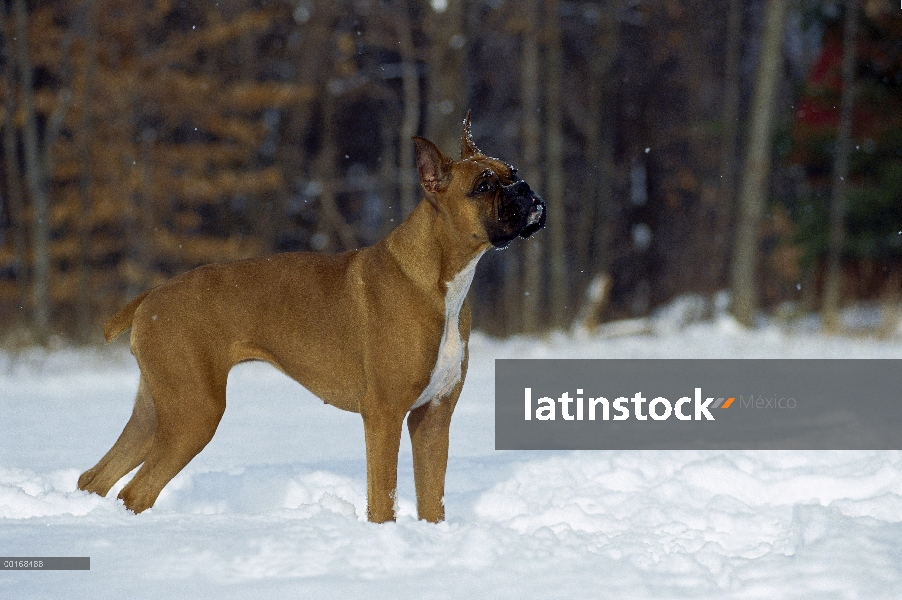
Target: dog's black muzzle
(522,213)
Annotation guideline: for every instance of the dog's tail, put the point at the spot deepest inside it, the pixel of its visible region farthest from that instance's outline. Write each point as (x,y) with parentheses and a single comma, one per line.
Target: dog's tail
(122,320)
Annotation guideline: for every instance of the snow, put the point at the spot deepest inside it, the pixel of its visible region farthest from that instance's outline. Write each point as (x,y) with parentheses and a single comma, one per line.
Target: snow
(275,505)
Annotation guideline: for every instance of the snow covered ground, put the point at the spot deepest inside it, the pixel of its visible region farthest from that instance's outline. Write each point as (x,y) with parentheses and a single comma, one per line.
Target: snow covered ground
(274,506)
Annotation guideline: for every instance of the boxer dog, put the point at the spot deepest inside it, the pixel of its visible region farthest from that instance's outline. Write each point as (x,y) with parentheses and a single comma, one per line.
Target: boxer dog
(381,331)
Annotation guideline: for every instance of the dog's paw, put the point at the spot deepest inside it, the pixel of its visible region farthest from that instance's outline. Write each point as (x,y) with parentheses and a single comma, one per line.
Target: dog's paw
(135,500)
(86,479)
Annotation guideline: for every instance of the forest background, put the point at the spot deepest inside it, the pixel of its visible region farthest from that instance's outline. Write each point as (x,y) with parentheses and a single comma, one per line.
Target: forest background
(682,146)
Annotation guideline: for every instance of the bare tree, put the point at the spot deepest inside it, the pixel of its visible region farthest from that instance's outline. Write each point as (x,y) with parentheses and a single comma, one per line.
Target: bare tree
(729,143)
(37,183)
(83,151)
(554,154)
(531,124)
(411,120)
(753,185)
(14,193)
(329,213)
(446,76)
(837,233)
(594,228)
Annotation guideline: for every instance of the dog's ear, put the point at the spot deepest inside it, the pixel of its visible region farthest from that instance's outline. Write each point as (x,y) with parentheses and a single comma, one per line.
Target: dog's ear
(467,148)
(434,167)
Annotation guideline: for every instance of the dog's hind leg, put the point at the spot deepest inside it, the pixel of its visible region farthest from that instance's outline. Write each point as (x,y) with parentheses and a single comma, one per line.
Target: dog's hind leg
(129,450)
(186,422)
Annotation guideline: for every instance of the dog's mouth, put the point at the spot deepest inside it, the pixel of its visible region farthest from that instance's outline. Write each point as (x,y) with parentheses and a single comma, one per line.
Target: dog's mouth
(535,219)
(521,214)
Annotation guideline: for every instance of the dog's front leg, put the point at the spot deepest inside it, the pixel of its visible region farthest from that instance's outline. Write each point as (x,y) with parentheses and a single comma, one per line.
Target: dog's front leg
(428,426)
(382,432)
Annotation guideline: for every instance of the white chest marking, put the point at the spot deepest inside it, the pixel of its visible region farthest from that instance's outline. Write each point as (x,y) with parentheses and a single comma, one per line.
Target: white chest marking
(446,372)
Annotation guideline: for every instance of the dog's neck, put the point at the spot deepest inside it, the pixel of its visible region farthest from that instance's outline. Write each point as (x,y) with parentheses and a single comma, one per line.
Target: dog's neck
(413,247)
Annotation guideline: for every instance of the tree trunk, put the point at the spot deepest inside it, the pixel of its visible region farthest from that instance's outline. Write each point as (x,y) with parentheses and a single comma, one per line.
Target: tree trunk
(18,222)
(37,184)
(146,243)
(554,151)
(729,144)
(594,226)
(411,120)
(388,174)
(447,87)
(83,151)
(753,186)
(330,217)
(293,156)
(141,247)
(531,124)
(837,233)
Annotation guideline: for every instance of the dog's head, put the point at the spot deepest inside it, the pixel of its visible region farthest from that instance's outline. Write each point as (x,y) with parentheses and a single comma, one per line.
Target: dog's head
(483,196)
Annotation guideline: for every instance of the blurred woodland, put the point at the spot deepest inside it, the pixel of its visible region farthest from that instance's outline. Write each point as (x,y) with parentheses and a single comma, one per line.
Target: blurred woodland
(682,146)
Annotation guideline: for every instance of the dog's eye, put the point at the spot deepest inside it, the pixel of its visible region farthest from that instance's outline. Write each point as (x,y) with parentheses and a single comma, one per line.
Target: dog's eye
(485,187)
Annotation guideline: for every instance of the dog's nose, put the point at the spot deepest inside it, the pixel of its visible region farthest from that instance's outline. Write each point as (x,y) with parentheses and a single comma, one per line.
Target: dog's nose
(536,212)
(535,217)
(517,188)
